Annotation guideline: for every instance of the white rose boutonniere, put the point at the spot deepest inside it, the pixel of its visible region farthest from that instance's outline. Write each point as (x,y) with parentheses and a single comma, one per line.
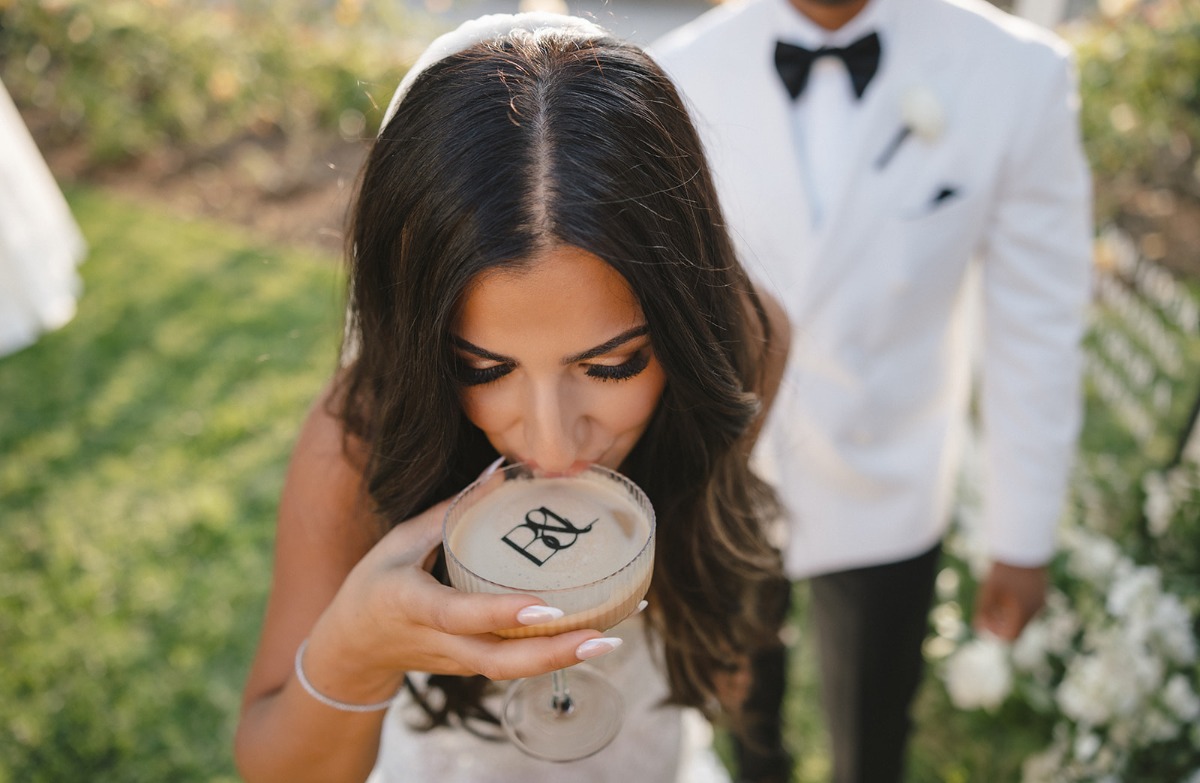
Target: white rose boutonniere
(923,115)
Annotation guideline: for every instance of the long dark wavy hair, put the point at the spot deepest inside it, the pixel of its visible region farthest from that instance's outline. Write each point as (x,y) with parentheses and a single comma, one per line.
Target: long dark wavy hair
(515,145)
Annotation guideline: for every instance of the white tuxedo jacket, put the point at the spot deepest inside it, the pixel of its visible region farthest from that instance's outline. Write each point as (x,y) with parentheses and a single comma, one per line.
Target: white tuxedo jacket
(980,238)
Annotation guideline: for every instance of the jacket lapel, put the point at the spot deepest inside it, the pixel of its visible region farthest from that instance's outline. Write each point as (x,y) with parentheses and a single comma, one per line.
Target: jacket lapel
(873,194)
(754,155)
(781,208)
(784,201)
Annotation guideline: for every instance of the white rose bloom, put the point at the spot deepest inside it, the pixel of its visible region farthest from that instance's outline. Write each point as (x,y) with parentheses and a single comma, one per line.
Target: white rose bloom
(1172,627)
(1062,624)
(1094,692)
(1135,627)
(947,620)
(922,113)
(978,674)
(1135,592)
(1029,651)
(947,584)
(1086,746)
(1147,669)
(1131,672)
(1093,557)
(1179,697)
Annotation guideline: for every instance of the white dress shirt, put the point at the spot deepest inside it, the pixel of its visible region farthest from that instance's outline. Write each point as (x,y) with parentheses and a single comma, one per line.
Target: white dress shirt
(825,117)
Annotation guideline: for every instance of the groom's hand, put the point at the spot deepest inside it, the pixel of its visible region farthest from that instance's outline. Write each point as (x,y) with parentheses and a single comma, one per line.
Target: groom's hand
(1009,598)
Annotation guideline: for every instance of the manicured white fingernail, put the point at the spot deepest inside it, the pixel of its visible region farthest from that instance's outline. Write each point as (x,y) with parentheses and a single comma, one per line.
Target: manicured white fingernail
(641,607)
(594,648)
(532,615)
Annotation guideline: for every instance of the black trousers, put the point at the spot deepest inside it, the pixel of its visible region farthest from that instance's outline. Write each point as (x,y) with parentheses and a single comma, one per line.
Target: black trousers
(870,624)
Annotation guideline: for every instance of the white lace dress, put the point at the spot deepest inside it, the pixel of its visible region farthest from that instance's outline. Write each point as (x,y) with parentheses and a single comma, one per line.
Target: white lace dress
(657,744)
(40,244)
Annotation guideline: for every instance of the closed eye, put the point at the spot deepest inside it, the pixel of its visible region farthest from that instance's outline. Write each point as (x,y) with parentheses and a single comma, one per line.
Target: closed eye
(478,376)
(501,366)
(630,368)
(469,375)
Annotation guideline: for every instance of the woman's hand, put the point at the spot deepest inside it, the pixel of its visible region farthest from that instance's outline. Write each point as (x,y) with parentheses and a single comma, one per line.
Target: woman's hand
(391,616)
(371,612)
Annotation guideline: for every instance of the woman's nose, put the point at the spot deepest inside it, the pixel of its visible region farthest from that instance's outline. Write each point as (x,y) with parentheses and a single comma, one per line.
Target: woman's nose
(552,428)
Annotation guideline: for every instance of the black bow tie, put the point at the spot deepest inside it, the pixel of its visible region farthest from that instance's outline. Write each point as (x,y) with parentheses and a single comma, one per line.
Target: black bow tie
(861,58)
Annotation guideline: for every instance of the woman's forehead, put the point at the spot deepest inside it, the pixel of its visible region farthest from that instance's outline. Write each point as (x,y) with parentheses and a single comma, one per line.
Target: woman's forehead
(564,296)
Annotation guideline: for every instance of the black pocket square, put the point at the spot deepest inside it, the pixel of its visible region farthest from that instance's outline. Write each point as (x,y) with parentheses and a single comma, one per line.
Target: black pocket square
(944,194)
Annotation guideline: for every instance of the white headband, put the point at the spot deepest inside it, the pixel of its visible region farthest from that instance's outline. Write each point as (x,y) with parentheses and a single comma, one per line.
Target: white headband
(486,28)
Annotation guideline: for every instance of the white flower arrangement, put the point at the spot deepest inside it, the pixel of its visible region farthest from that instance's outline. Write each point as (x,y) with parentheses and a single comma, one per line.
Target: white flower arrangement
(1109,670)
(922,115)
(1111,659)
(1166,493)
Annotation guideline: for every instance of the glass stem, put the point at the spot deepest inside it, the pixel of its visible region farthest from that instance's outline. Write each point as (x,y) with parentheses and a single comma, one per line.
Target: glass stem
(561,699)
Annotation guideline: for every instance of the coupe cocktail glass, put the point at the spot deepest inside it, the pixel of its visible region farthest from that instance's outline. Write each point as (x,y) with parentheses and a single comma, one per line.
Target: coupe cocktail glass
(582,543)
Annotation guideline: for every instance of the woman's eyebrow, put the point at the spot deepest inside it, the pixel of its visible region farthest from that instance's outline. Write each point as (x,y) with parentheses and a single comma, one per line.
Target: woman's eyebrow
(590,353)
(609,345)
(482,353)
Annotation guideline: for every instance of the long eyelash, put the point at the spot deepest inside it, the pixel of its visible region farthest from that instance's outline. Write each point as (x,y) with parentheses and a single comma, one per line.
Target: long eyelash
(471,376)
(623,371)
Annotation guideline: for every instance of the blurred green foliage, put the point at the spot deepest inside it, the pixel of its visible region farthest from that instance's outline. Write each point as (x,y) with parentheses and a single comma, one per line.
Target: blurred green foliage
(143,449)
(127,77)
(124,78)
(1140,87)
(1140,84)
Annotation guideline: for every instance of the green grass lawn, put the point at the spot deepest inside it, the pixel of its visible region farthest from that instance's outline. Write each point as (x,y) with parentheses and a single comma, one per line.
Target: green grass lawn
(142,449)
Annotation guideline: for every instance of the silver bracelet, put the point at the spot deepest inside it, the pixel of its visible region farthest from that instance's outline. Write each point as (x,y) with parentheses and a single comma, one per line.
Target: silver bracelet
(328,702)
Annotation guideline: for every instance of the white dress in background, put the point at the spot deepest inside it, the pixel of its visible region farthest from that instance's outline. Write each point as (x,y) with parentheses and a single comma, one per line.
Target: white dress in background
(40,243)
(657,744)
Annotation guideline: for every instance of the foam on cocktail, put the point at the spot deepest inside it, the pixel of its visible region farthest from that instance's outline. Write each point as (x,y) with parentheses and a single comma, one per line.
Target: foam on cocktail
(552,537)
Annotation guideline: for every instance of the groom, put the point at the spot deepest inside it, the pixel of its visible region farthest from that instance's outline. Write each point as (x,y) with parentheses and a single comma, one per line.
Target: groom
(907,177)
